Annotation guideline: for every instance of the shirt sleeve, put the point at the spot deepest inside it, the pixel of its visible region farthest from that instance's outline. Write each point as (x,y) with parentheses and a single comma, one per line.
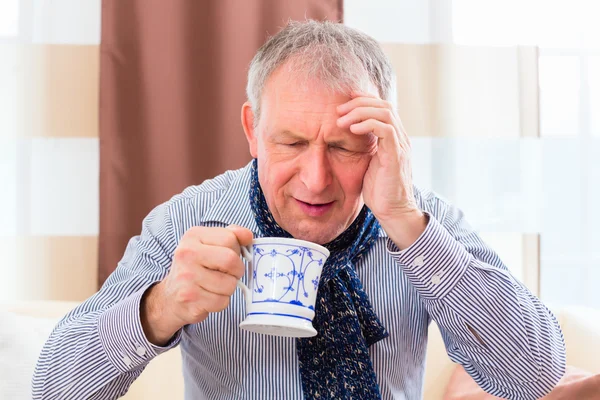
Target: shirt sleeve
(504,337)
(98,349)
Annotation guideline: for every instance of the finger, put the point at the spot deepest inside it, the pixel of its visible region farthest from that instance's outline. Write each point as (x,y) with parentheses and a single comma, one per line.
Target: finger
(216,282)
(360,114)
(244,236)
(192,253)
(212,302)
(385,133)
(360,93)
(363,102)
(378,128)
(221,259)
(215,237)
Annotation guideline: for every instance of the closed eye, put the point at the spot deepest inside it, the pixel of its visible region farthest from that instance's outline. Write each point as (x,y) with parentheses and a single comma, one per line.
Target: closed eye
(295,146)
(340,148)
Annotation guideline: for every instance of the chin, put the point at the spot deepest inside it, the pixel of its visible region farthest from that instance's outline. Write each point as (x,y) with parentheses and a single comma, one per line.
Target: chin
(315,233)
(318,239)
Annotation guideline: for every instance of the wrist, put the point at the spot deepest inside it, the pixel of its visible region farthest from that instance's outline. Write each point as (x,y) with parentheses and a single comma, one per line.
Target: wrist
(157,324)
(404,228)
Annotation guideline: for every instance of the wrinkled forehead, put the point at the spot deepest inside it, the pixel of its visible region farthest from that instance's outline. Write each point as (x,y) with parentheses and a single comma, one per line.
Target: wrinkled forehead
(301,76)
(296,98)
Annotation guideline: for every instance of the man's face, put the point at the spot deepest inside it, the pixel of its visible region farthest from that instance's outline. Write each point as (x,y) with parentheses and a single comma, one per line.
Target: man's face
(310,170)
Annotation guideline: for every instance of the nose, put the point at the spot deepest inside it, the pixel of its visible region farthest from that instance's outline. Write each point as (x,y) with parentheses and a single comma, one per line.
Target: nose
(315,171)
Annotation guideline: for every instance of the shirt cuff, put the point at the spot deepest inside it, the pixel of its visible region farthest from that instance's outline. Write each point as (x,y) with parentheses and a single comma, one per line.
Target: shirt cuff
(122,335)
(434,263)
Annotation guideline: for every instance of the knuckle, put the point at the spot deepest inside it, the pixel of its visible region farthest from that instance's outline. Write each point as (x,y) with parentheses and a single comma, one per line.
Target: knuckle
(182,253)
(230,239)
(194,231)
(238,271)
(197,312)
(229,283)
(215,302)
(389,115)
(230,258)
(221,303)
(186,295)
(177,254)
(185,275)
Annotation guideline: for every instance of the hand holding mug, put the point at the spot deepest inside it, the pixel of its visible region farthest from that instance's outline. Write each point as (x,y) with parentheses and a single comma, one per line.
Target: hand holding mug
(204,274)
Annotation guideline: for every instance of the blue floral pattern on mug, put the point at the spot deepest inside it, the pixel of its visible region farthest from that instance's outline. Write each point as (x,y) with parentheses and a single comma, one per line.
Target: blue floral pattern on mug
(285,273)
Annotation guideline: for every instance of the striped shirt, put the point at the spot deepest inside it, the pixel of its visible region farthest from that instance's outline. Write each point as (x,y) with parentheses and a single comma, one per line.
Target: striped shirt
(505,338)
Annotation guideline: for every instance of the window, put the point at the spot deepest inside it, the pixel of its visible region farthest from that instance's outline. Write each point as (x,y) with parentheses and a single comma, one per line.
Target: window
(568,39)
(9,18)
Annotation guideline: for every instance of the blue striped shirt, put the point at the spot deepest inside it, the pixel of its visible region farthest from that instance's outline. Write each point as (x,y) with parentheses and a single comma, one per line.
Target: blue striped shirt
(505,338)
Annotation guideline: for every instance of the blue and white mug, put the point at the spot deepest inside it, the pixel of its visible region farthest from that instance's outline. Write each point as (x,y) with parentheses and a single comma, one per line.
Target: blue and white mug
(283,278)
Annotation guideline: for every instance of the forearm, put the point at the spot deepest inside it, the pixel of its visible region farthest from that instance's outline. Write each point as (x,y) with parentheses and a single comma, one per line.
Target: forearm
(95,354)
(507,340)
(492,325)
(79,370)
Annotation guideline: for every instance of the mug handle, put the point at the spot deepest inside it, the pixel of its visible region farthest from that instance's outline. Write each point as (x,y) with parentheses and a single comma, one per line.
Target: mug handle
(247,255)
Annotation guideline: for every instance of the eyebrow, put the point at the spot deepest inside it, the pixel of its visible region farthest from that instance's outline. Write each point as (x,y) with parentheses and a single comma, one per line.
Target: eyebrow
(296,136)
(290,134)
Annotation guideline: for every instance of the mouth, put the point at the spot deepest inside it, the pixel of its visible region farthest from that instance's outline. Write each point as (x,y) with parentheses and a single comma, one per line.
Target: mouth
(314,209)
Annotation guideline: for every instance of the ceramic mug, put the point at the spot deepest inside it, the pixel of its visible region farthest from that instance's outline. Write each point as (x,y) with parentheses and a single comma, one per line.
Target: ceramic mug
(283,278)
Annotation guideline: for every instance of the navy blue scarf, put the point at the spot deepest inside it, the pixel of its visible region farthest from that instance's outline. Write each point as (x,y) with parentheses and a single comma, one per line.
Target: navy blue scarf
(335,364)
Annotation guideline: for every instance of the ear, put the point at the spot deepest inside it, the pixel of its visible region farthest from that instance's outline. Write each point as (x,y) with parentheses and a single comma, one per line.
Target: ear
(248,124)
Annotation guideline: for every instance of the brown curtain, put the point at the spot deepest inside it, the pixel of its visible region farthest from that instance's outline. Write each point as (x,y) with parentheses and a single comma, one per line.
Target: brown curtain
(172,82)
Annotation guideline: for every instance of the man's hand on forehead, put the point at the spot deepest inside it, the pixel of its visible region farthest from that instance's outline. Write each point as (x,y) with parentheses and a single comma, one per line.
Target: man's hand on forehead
(387,185)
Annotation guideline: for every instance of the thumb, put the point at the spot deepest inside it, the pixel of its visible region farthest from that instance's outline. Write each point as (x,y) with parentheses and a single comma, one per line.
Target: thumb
(244,235)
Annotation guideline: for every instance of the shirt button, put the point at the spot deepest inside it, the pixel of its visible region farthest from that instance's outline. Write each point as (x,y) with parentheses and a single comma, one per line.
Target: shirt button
(127,361)
(435,279)
(419,261)
(140,351)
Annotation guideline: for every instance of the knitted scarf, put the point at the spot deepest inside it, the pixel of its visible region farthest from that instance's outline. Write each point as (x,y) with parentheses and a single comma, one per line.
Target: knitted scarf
(335,364)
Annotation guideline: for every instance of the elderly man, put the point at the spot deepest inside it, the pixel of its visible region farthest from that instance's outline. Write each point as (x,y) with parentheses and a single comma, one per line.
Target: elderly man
(332,166)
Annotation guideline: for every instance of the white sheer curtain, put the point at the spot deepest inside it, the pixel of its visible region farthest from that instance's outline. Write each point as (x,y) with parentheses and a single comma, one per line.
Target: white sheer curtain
(516,147)
(527,177)
(48,148)
(568,37)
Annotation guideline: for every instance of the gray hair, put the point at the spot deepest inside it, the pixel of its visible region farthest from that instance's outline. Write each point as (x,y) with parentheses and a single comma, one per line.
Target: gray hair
(339,56)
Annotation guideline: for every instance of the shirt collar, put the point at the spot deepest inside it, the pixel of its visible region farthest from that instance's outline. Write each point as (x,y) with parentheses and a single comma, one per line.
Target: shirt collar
(233,206)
